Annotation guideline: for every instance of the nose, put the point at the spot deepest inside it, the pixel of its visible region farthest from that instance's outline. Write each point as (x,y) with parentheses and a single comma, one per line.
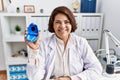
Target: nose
(63,25)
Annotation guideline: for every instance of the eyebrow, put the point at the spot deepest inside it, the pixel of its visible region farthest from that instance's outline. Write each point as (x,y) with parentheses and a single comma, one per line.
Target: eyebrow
(64,20)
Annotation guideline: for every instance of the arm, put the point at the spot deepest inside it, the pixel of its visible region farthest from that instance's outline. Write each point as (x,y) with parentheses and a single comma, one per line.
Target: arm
(35,65)
(93,68)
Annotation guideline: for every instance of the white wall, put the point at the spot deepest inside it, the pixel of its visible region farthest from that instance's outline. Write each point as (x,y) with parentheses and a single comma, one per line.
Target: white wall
(112,19)
(47,5)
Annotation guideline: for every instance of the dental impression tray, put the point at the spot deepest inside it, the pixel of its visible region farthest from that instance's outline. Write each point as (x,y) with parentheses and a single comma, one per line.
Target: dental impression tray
(32,32)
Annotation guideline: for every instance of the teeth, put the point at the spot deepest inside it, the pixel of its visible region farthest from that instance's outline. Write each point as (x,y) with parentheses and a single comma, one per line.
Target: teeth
(61,30)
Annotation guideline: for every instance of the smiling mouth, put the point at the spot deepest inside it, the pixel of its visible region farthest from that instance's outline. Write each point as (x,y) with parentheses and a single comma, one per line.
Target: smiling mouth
(62,31)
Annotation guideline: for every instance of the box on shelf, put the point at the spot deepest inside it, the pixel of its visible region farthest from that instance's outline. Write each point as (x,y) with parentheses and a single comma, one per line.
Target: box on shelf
(88,6)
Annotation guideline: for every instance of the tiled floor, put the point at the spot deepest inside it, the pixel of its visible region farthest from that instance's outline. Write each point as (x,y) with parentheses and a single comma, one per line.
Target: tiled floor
(3,75)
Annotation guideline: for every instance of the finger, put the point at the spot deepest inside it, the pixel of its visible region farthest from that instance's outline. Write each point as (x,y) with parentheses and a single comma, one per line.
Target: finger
(25,39)
(25,35)
(25,31)
(39,36)
(38,40)
(33,46)
(56,79)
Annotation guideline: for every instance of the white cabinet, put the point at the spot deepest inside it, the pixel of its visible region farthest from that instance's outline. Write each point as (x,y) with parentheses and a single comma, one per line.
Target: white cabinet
(12,43)
(89,26)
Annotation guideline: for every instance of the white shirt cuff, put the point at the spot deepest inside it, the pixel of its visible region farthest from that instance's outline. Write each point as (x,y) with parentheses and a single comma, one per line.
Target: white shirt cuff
(33,57)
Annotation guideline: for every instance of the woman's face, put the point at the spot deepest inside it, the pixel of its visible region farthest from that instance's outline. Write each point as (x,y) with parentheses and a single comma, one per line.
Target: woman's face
(62,26)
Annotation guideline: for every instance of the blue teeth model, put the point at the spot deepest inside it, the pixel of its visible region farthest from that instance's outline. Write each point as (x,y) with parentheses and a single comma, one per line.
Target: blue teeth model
(32,32)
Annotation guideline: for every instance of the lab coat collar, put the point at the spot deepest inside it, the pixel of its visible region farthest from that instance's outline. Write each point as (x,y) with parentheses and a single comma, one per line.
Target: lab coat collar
(53,40)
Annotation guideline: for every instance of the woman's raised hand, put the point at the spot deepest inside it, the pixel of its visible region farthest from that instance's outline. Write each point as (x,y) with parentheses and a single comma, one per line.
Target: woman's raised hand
(32,45)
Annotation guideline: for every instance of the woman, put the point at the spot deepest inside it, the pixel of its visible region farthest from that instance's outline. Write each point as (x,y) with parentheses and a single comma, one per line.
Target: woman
(64,55)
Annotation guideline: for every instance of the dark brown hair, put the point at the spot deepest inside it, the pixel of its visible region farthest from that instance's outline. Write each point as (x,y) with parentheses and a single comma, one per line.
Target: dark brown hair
(67,12)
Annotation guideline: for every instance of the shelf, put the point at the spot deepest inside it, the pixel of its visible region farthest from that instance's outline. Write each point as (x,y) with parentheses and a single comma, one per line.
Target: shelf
(91,37)
(23,14)
(16,60)
(15,38)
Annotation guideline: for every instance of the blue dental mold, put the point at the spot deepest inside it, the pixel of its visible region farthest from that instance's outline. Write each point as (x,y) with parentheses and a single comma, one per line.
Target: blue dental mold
(32,32)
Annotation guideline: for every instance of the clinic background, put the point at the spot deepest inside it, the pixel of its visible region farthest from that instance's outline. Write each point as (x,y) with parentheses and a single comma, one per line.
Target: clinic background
(108,7)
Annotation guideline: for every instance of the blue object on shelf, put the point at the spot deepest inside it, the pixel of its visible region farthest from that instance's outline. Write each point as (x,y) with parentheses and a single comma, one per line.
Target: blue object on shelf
(32,32)
(18,72)
(88,6)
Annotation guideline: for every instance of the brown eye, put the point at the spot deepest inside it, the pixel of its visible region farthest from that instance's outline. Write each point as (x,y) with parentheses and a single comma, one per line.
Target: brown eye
(57,22)
(67,22)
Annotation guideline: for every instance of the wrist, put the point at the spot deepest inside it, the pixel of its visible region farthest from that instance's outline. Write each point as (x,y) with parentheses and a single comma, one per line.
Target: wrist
(64,77)
(68,78)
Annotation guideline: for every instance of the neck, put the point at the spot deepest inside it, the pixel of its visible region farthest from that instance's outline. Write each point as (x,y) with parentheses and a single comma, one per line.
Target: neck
(65,40)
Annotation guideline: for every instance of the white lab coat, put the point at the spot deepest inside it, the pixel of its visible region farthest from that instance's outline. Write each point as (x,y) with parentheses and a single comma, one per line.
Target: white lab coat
(80,56)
